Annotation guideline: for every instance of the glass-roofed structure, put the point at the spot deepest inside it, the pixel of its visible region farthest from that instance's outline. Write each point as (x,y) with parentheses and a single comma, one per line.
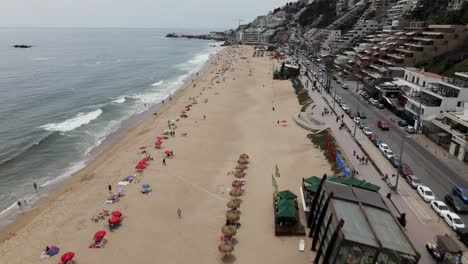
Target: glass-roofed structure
(354,225)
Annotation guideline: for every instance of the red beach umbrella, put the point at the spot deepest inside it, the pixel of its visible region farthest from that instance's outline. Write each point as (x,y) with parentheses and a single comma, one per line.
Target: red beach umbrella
(67,256)
(116,213)
(142,147)
(99,235)
(158,143)
(114,220)
(167,152)
(284,121)
(159,138)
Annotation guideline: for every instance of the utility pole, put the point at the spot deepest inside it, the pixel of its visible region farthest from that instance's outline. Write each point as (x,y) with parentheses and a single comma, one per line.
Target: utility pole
(403,137)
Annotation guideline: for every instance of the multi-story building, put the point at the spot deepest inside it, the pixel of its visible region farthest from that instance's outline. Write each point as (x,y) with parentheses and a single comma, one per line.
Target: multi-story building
(361,28)
(455,5)
(450,130)
(249,37)
(380,7)
(331,36)
(411,86)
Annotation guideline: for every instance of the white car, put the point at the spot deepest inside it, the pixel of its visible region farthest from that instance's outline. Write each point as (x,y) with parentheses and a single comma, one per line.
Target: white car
(367,131)
(383,147)
(454,221)
(345,107)
(426,194)
(345,86)
(388,153)
(373,101)
(440,207)
(357,120)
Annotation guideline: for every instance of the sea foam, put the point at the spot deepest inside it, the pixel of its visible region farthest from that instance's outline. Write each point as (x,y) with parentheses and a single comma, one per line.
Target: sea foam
(157,83)
(73,123)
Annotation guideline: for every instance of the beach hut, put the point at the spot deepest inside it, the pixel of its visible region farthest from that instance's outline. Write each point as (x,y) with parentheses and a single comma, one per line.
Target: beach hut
(286,213)
(287,194)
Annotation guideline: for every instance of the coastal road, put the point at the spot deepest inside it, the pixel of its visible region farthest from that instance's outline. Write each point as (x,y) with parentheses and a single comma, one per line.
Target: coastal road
(435,172)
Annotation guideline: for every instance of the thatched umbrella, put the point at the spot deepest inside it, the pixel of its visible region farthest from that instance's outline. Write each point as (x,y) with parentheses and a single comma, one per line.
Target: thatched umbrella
(239,174)
(228,230)
(226,248)
(242,161)
(236,211)
(241,167)
(236,184)
(237,200)
(232,217)
(236,193)
(244,156)
(233,205)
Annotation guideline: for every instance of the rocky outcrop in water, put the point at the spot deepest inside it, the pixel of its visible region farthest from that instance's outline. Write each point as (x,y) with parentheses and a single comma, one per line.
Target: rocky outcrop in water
(22,46)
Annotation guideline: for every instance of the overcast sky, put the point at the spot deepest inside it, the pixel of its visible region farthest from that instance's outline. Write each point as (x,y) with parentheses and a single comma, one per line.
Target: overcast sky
(132,13)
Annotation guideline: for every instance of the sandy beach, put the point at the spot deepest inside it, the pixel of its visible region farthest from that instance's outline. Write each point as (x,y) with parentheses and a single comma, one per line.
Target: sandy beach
(238,119)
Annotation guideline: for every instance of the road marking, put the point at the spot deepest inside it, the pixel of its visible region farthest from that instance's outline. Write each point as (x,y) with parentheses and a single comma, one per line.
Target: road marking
(418,210)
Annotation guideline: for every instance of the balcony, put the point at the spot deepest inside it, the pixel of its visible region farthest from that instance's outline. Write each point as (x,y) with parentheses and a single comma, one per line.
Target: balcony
(442,90)
(460,80)
(386,62)
(425,41)
(396,58)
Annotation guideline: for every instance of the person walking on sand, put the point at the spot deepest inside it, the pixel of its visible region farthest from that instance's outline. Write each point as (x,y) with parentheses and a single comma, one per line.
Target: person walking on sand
(110,188)
(367,160)
(19,204)
(204,117)
(35,186)
(164,161)
(354,153)
(179,213)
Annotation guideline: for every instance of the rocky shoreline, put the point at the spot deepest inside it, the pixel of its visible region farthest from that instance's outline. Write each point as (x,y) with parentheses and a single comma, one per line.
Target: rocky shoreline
(217,37)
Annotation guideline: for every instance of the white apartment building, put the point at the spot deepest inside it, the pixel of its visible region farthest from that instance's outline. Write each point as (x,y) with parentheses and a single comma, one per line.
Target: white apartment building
(454,5)
(248,37)
(446,95)
(361,29)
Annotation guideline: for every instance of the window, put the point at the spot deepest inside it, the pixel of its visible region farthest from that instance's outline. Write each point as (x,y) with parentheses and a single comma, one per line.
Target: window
(406,77)
(424,84)
(417,80)
(412,79)
(459,104)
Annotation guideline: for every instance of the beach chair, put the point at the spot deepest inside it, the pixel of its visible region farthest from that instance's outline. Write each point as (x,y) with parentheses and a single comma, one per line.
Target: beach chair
(98,243)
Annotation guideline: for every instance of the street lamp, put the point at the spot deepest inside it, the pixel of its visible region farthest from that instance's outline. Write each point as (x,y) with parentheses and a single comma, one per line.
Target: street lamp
(403,137)
(357,108)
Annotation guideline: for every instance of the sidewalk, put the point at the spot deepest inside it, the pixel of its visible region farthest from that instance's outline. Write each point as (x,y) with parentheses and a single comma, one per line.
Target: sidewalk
(422,223)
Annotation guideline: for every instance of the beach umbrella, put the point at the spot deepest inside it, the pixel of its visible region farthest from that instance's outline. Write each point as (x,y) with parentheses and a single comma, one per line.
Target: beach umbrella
(53,250)
(228,230)
(287,194)
(239,174)
(236,193)
(131,177)
(236,184)
(167,152)
(67,257)
(233,205)
(120,191)
(159,138)
(142,147)
(99,235)
(114,220)
(116,213)
(232,217)
(158,143)
(145,186)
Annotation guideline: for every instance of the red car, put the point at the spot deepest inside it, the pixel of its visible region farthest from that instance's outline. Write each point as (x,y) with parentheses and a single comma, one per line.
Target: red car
(383,124)
(405,170)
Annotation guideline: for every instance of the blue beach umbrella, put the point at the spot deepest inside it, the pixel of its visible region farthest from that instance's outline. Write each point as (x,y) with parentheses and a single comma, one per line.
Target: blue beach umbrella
(120,190)
(145,186)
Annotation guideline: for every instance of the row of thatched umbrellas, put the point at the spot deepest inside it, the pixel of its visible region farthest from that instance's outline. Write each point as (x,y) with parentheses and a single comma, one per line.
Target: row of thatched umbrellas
(233,214)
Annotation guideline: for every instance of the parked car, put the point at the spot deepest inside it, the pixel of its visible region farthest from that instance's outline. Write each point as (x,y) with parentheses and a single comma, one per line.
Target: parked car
(405,170)
(395,160)
(440,207)
(380,106)
(362,124)
(383,124)
(410,130)
(377,142)
(388,154)
(351,114)
(426,194)
(384,147)
(461,192)
(402,123)
(413,181)
(456,203)
(462,235)
(367,131)
(373,101)
(345,107)
(361,115)
(357,120)
(373,136)
(344,86)
(454,221)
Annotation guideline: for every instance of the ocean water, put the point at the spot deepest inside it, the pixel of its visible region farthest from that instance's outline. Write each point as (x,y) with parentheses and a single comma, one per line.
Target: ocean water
(61,98)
